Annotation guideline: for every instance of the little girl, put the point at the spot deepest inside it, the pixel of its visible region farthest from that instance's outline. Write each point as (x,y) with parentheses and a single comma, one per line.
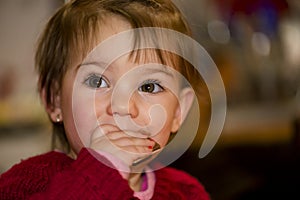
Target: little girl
(113,109)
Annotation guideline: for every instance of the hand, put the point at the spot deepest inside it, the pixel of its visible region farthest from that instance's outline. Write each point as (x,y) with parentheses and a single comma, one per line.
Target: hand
(123,146)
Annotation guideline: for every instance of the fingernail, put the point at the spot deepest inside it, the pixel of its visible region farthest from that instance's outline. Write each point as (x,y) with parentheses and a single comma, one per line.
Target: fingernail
(150,147)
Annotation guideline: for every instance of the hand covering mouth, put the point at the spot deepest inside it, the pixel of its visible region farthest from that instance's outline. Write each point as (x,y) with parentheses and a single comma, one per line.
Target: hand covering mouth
(127,124)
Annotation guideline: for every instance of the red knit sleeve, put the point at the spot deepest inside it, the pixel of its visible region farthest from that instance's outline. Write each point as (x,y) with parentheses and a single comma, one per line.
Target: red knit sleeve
(55,176)
(31,175)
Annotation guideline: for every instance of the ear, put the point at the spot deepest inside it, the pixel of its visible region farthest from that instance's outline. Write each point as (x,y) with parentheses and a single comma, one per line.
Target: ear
(186,98)
(53,108)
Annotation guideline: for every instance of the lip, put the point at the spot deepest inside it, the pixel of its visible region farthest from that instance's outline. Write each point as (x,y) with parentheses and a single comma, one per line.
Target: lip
(140,132)
(127,123)
(137,133)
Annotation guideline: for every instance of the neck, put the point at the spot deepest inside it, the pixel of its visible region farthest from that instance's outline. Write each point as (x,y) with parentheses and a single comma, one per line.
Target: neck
(135,181)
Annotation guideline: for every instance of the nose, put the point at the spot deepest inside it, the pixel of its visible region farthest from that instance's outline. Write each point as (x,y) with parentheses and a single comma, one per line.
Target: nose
(123,105)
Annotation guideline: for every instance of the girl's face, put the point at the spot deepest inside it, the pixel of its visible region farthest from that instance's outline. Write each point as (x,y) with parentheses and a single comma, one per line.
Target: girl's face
(141,99)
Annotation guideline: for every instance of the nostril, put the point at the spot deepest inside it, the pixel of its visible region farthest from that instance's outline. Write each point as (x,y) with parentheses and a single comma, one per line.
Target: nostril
(120,110)
(122,107)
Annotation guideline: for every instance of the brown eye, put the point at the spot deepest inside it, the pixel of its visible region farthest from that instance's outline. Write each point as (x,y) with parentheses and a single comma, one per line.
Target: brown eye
(148,87)
(151,88)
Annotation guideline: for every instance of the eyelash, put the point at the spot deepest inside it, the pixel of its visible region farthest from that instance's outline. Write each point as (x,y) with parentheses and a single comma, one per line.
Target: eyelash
(152,81)
(99,78)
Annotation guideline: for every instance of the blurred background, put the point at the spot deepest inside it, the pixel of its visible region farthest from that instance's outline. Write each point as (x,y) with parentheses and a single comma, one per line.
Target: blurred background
(256,46)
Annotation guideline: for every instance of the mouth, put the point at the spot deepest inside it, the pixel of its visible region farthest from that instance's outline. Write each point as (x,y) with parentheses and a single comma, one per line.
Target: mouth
(156,148)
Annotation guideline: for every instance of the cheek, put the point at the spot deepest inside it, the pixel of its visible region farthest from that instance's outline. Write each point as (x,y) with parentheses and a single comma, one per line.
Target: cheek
(163,136)
(171,116)
(81,120)
(102,108)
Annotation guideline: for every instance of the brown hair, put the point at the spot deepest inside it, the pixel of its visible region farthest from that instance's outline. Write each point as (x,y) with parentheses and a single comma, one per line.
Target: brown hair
(71,33)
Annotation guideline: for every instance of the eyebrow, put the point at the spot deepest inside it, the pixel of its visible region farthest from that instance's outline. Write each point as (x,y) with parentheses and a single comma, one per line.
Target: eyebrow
(147,70)
(98,64)
(102,65)
(164,70)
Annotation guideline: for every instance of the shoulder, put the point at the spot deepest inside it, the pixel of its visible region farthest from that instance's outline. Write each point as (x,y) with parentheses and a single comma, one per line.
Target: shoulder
(31,175)
(181,183)
(51,161)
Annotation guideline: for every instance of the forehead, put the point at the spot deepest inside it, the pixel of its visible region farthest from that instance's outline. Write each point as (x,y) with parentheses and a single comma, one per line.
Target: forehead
(110,43)
(84,41)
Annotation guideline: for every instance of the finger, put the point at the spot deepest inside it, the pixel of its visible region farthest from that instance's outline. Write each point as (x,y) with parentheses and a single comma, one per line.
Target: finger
(117,134)
(138,134)
(114,135)
(122,140)
(107,128)
(137,150)
(102,130)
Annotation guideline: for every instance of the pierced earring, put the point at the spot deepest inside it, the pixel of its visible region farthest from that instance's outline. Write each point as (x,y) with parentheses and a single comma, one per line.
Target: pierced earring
(58,118)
